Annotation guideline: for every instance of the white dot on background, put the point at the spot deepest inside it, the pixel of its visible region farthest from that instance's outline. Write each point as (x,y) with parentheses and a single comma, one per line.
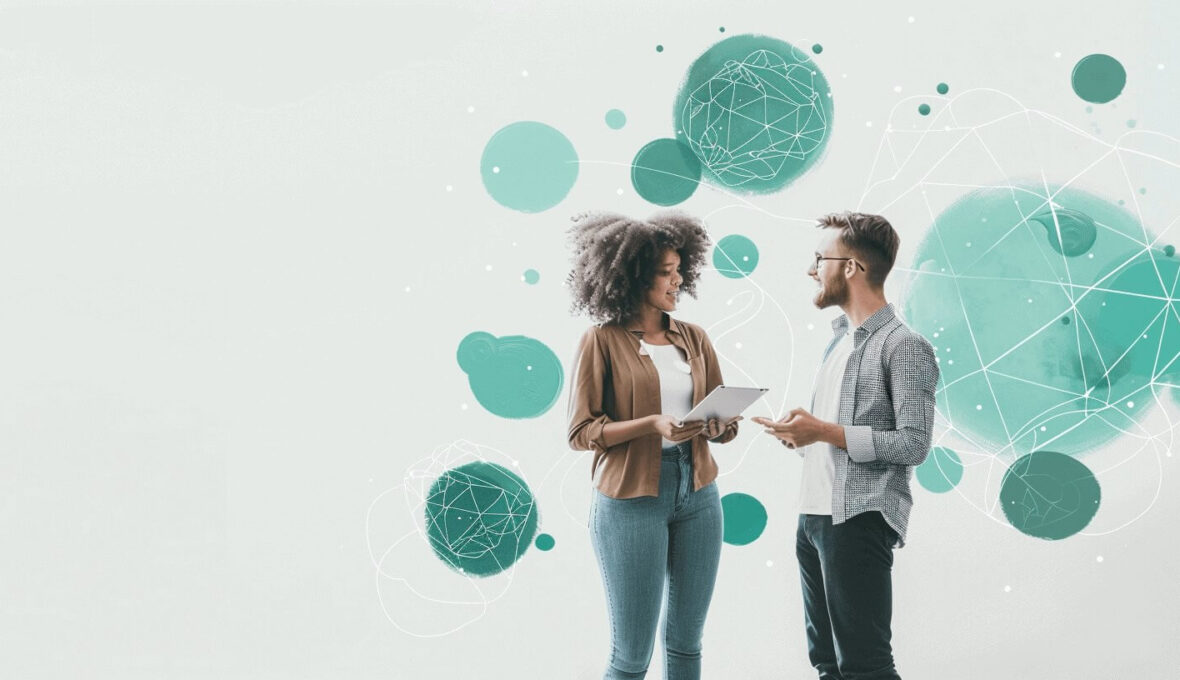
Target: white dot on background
(843,75)
(936,335)
(1100,558)
(897,88)
(528,368)
(737,345)
(407,289)
(1030,300)
(619,191)
(450,188)
(810,326)
(911,20)
(462,407)
(1159,66)
(1043,428)
(516,463)
(1091,255)
(979,407)
(968,244)
(770,563)
(1007,589)
(1056,55)
(868,123)
(1130,404)
(525,74)
(951,362)
(495,169)
(470,109)
(489,267)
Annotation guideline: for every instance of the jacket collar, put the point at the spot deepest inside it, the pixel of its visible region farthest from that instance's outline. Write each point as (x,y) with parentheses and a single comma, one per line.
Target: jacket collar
(877,320)
(674,329)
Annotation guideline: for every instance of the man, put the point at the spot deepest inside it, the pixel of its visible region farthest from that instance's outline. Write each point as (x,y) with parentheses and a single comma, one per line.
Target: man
(871,421)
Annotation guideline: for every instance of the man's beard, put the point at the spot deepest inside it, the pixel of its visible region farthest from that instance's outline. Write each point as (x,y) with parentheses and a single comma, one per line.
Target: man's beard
(835,293)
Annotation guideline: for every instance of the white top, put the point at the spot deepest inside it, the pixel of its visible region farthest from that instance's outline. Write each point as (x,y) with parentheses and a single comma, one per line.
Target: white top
(675,381)
(815,494)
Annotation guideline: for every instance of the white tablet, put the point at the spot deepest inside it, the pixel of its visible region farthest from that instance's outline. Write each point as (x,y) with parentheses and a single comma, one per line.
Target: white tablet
(725,403)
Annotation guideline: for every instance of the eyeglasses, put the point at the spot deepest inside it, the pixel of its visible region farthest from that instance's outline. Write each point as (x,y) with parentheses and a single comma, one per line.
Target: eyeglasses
(820,258)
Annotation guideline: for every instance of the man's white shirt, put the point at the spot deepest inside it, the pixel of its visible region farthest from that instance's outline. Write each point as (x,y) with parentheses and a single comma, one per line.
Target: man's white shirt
(815,493)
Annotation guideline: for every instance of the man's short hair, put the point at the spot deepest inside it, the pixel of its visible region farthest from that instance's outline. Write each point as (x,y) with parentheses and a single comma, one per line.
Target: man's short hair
(868,237)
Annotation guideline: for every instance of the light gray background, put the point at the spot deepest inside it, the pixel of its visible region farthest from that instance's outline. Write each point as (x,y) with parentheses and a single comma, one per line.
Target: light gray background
(232,283)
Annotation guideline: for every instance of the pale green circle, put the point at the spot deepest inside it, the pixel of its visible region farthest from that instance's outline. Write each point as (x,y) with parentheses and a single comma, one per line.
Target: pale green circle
(531,276)
(529,166)
(941,471)
(735,256)
(616,119)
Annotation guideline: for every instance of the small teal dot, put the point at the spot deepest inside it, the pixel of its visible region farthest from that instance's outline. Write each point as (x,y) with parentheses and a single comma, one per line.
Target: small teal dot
(943,88)
(531,276)
(659,48)
(722,29)
(1131,123)
(545,542)
(1169,250)
(616,119)
(1143,190)
(1065,320)
(924,109)
(817,48)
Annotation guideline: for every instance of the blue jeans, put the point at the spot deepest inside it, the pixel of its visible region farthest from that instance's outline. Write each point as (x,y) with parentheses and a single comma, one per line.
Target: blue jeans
(846,573)
(650,548)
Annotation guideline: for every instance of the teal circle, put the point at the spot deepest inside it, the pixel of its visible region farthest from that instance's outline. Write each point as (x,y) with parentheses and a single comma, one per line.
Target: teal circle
(659,48)
(722,29)
(528,166)
(735,256)
(756,111)
(987,294)
(531,276)
(665,172)
(941,471)
(744,518)
(1098,78)
(1131,123)
(1169,251)
(943,88)
(513,376)
(817,48)
(545,542)
(1049,495)
(616,119)
(924,109)
(480,518)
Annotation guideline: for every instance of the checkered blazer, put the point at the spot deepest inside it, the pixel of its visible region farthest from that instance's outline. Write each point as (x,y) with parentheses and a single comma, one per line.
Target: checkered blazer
(887,410)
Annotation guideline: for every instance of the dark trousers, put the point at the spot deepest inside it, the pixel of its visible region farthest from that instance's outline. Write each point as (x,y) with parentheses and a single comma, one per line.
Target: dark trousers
(845,570)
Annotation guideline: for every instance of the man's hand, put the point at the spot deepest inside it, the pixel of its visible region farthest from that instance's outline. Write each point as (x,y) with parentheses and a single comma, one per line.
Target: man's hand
(800,428)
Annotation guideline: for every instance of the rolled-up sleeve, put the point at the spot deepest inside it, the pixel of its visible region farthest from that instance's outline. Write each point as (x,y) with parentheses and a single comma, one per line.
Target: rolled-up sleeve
(913,381)
(712,380)
(586,416)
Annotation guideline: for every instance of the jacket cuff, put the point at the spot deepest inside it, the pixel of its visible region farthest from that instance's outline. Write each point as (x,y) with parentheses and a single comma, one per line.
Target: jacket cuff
(859,439)
(597,430)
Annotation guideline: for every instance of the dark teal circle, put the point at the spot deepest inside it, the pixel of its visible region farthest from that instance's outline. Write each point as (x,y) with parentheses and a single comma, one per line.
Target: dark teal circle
(480,518)
(665,172)
(817,48)
(756,111)
(924,109)
(943,88)
(744,518)
(545,542)
(1049,495)
(1098,78)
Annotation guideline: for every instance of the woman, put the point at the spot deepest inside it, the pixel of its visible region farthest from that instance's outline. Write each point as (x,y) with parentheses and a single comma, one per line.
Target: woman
(656,514)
